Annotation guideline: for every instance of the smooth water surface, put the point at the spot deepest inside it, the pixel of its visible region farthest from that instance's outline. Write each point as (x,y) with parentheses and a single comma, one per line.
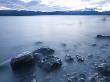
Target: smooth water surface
(27,33)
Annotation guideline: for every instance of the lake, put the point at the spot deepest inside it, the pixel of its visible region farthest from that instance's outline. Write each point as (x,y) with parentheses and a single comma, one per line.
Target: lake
(27,33)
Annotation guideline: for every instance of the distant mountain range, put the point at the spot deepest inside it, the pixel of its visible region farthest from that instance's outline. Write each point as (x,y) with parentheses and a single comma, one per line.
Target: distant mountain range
(31,13)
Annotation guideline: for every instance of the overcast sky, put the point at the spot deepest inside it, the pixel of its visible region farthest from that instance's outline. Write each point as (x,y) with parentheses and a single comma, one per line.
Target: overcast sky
(55,5)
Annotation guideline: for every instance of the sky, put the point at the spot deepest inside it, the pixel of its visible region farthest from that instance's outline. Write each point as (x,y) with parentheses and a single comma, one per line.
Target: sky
(55,5)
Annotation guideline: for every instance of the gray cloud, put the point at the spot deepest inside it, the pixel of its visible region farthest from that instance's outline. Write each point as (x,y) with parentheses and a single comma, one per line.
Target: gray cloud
(17,4)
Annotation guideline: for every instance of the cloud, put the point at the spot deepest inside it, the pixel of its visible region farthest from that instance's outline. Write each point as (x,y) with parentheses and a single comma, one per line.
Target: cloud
(4,8)
(53,5)
(78,4)
(18,4)
(26,1)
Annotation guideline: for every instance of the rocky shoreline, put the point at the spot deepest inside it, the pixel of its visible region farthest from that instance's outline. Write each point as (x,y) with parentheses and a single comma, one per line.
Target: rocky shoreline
(45,59)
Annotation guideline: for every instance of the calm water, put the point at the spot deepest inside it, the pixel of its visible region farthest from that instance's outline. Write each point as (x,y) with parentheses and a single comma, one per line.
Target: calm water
(26,33)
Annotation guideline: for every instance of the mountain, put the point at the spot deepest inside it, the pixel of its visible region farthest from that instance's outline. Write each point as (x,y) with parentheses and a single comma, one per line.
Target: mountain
(31,13)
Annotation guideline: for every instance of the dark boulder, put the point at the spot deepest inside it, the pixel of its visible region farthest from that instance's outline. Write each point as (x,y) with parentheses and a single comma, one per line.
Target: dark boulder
(22,61)
(102,37)
(50,63)
(104,69)
(44,51)
(46,60)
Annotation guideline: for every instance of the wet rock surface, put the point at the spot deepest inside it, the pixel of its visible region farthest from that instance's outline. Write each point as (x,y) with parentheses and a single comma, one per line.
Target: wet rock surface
(104,69)
(93,79)
(23,60)
(94,45)
(69,58)
(75,77)
(103,37)
(41,56)
(97,68)
(79,59)
(46,60)
(44,51)
(38,43)
(50,63)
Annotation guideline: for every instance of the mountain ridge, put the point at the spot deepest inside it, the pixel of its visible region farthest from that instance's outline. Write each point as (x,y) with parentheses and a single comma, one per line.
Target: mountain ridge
(32,13)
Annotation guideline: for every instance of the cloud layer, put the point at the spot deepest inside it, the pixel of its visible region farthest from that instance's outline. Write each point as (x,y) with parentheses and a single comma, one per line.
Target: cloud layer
(53,5)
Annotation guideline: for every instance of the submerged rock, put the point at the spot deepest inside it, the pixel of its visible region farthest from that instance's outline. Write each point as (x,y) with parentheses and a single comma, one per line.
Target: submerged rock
(22,61)
(39,42)
(50,63)
(63,44)
(105,46)
(104,69)
(82,76)
(106,79)
(79,59)
(93,79)
(69,58)
(103,37)
(82,80)
(90,56)
(33,80)
(72,79)
(94,45)
(44,51)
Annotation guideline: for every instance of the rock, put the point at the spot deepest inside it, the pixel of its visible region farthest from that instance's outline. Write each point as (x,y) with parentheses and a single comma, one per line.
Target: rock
(46,60)
(106,79)
(39,42)
(22,60)
(50,63)
(79,59)
(93,79)
(81,80)
(108,59)
(102,37)
(82,76)
(90,56)
(104,69)
(44,51)
(33,80)
(38,56)
(69,58)
(105,46)
(63,44)
(93,45)
(72,79)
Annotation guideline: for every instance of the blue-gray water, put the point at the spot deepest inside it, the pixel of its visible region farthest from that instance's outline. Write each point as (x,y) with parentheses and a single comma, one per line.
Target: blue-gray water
(26,33)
